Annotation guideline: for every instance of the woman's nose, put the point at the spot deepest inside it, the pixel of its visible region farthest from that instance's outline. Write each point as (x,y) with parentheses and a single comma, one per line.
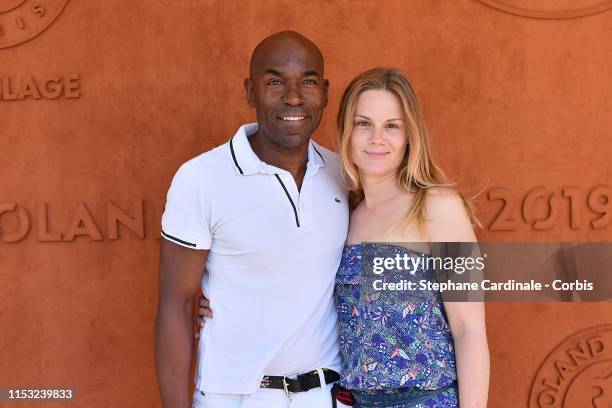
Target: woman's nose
(377,135)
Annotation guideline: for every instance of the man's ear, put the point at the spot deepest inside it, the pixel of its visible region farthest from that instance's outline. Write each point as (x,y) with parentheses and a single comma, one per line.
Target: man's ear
(325,88)
(248,88)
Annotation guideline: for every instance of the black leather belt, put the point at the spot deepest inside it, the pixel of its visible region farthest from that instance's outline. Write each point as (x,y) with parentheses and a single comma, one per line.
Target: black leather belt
(302,382)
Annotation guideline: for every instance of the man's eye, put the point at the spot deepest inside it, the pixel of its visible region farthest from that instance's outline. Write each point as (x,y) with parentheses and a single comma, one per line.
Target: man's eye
(274,82)
(310,82)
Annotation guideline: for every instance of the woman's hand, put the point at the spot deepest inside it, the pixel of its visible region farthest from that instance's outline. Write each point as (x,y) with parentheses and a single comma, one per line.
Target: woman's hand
(204,310)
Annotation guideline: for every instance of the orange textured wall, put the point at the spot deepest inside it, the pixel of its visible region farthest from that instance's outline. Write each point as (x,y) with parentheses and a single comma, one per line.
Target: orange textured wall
(102,100)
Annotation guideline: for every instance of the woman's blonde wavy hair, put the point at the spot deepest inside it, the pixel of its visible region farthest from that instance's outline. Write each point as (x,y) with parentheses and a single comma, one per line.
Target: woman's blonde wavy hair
(418,171)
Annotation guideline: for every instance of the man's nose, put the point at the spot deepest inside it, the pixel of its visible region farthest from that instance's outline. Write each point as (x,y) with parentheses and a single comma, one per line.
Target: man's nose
(293,95)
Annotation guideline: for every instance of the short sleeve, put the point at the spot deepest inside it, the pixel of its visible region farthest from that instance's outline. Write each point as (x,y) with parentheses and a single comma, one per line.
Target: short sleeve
(185,220)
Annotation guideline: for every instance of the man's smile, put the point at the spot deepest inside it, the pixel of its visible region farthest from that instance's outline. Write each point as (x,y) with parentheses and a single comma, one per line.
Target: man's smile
(293,119)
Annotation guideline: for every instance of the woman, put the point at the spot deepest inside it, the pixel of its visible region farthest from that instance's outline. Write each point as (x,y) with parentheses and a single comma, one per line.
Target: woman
(401,349)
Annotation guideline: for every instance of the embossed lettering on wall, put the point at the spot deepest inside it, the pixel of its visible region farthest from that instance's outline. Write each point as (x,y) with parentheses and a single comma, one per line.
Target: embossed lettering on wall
(43,87)
(550,9)
(543,208)
(577,373)
(22,20)
(138,218)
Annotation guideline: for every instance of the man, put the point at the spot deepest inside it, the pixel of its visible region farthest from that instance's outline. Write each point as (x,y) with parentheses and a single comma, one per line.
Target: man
(267,215)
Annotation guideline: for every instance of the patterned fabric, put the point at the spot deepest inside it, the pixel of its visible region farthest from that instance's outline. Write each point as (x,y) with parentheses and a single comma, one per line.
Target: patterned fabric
(446,397)
(392,340)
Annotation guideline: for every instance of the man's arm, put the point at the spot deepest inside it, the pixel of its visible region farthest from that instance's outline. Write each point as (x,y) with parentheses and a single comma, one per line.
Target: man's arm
(180,273)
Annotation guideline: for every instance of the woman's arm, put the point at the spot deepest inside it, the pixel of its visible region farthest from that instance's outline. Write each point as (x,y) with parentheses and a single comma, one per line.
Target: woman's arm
(467,323)
(447,221)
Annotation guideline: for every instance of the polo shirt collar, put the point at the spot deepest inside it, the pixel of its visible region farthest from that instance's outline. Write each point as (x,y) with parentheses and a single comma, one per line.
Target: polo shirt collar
(246,161)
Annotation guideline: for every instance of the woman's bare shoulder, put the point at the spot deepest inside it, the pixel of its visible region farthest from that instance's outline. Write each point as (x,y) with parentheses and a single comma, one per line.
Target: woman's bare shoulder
(447,217)
(442,199)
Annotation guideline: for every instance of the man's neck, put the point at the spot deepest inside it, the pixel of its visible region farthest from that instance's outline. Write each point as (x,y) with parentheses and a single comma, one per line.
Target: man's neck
(293,160)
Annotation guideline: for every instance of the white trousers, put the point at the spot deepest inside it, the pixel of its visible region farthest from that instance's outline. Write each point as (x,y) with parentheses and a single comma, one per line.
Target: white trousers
(267,398)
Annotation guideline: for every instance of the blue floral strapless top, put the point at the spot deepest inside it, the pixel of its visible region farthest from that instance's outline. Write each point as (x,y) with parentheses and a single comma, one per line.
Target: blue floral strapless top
(390,339)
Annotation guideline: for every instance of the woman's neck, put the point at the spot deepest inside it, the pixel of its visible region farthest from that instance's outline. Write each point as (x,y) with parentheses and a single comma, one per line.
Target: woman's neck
(377,191)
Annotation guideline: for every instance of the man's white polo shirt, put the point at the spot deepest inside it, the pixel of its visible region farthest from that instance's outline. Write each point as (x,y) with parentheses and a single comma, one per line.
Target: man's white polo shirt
(272,261)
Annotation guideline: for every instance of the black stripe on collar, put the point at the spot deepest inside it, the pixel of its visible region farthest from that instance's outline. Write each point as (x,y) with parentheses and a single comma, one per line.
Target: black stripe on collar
(313,146)
(297,219)
(234,156)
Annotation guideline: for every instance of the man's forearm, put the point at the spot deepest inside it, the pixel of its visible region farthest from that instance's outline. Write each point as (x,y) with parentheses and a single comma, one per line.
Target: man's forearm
(173,354)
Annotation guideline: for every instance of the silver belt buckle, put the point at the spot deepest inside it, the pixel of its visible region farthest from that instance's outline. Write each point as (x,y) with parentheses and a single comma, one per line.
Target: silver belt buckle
(286,387)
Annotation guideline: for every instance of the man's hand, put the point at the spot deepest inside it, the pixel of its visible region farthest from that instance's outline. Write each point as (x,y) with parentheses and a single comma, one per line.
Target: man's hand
(203,311)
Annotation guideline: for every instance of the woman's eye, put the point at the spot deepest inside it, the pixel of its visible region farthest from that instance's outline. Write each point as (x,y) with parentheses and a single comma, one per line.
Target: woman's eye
(362,123)
(392,126)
